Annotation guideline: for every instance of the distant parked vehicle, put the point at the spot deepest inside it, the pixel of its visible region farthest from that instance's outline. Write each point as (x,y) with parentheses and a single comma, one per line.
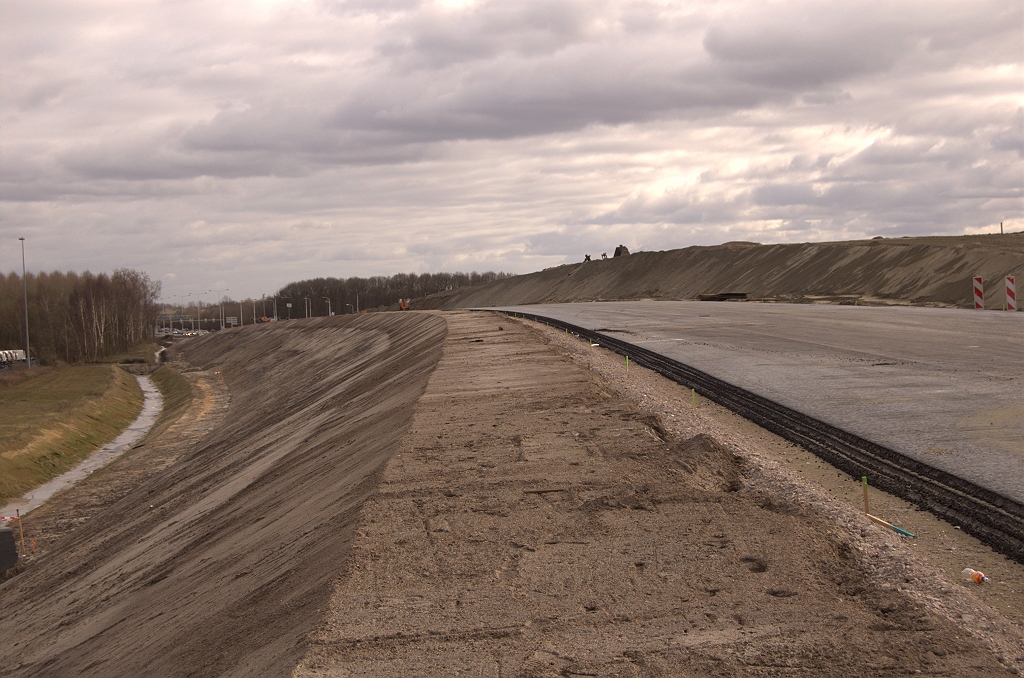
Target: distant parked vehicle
(9,358)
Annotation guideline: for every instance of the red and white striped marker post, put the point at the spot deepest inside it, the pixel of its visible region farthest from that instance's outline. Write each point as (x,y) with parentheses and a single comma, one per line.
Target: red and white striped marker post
(979,292)
(1011,294)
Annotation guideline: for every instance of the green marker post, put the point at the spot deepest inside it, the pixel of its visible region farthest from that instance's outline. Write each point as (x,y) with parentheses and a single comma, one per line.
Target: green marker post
(627,363)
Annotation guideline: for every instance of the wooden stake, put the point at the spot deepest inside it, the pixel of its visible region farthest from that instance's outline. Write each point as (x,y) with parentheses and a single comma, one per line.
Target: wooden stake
(864,481)
(897,530)
(693,394)
(21,529)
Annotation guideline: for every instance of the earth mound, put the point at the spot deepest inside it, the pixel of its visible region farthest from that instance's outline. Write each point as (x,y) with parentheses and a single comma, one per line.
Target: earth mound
(929,270)
(222,563)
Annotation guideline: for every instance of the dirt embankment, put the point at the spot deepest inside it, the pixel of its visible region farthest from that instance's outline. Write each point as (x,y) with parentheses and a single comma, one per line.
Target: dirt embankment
(534,523)
(221,563)
(931,270)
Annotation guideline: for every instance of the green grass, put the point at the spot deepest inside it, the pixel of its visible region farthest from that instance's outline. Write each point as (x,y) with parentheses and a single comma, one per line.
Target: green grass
(141,353)
(177,393)
(53,417)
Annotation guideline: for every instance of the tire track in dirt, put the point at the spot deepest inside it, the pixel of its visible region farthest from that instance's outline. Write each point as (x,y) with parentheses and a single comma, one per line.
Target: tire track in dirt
(536,524)
(222,562)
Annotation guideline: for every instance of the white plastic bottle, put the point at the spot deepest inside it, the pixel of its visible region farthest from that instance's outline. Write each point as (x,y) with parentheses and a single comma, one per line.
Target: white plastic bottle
(975,576)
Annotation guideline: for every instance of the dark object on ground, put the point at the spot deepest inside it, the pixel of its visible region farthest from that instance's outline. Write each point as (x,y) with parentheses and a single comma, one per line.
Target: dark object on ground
(8,550)
(723,296)
(620,251)
(586,257)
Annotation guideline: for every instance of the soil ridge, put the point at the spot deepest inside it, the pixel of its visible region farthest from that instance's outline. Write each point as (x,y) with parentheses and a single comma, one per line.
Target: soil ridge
(934,270)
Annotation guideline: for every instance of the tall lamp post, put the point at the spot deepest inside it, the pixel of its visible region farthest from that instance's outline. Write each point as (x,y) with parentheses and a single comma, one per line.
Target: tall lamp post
(220,294)
(328,300)
(24,287)
(306,305)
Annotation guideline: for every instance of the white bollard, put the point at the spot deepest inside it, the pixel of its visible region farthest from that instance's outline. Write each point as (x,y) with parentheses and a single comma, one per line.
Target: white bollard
(979,292)
(1011,294)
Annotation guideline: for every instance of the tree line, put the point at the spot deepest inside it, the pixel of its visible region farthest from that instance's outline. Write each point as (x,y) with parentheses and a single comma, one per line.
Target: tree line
(373,292)
(77,317)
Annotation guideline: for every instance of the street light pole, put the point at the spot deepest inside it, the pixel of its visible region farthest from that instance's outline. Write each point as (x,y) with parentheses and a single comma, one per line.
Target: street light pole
(24,288)
(306,304)
(328,300)
(220,293)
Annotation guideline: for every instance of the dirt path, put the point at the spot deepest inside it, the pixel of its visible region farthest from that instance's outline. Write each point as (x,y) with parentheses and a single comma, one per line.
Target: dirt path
(221,562)
(535,523)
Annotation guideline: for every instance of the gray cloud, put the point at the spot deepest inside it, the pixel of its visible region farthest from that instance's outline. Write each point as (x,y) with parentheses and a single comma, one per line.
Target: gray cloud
(253,142)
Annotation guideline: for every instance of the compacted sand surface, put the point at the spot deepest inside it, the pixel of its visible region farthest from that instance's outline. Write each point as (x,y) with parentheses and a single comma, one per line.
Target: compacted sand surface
(534,523)
(424,495)
(222,562)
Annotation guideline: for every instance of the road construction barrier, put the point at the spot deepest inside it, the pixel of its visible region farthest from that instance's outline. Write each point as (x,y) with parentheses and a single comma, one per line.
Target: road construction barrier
(1011,294)
(979,292)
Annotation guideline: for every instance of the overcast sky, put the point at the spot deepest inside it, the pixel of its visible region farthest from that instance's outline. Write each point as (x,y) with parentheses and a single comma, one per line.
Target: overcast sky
(246,144)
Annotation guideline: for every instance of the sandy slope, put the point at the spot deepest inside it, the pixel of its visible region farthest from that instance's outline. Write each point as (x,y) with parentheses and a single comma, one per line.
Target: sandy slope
(934,270)
(222,562)
(356,511)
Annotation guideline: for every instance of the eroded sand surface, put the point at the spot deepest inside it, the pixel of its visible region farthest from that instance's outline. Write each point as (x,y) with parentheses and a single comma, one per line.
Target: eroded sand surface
(222,562)
(535,523)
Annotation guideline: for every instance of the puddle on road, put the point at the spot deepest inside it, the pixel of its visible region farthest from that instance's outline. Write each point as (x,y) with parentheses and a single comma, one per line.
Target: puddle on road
(151,407)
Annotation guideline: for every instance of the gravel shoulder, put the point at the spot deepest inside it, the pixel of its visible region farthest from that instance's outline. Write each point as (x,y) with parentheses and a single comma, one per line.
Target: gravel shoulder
(549,514)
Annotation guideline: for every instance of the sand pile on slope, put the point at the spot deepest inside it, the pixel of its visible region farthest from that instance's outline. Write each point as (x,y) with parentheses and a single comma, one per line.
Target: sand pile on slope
(220,564)
(935,270)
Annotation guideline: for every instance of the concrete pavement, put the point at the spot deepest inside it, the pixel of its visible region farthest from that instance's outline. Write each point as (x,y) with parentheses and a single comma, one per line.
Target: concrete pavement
(945,386)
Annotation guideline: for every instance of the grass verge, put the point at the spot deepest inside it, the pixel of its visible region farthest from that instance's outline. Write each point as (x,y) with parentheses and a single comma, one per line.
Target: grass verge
(53,419)
(177,393)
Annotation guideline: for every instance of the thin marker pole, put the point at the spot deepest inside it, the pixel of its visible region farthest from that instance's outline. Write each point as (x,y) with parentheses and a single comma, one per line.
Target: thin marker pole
(693,394)
(24,288)
(21,529)
(867,507)
(627,363)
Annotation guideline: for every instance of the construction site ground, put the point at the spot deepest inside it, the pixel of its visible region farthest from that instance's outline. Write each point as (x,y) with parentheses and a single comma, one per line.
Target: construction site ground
(329,506)
(546,519)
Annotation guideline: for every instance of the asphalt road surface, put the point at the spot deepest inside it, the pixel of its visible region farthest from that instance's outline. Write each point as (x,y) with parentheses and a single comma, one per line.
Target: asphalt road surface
(945,386)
